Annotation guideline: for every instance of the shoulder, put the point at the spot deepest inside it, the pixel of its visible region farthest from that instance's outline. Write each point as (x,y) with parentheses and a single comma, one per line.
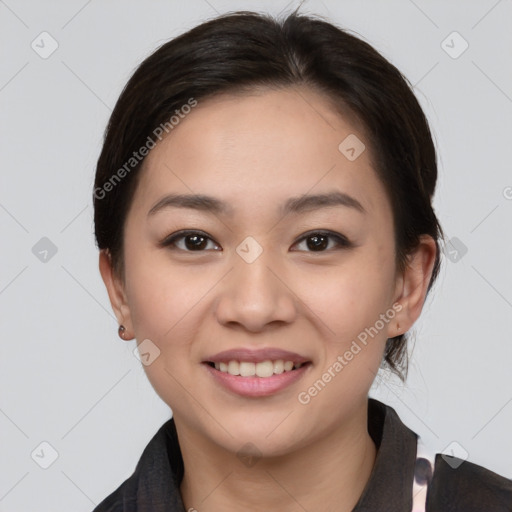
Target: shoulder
(155,479)
(462,486)
(121,500)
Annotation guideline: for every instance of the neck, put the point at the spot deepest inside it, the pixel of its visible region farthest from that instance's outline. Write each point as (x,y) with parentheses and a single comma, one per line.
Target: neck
(337,467)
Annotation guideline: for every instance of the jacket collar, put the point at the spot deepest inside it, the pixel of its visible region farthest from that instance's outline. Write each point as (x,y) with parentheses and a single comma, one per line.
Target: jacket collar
(391,480)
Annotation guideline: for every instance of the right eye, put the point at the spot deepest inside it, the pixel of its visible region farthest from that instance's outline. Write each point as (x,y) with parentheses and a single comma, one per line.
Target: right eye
(189,241)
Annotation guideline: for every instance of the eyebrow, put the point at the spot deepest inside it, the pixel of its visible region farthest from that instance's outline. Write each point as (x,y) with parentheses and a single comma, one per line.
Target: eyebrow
(295,205)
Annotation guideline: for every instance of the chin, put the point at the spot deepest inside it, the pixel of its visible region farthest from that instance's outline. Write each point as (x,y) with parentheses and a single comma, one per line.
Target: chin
(267,439)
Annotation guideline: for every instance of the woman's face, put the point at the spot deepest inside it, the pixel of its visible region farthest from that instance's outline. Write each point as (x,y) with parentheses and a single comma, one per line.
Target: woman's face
(255,275)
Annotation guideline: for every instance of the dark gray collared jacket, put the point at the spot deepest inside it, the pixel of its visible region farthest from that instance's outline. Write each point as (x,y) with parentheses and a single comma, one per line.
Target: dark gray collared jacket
(450,484)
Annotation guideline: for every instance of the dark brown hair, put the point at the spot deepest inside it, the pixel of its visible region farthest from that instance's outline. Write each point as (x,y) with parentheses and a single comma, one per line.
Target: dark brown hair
(239,51)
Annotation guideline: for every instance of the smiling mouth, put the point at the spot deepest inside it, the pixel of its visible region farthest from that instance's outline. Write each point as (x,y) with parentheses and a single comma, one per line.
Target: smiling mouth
(261,369)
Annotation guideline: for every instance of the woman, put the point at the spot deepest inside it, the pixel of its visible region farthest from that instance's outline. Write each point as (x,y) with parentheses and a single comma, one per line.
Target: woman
(263,210)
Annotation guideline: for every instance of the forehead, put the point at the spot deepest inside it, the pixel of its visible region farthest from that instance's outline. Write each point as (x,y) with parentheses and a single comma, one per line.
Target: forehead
(266,145)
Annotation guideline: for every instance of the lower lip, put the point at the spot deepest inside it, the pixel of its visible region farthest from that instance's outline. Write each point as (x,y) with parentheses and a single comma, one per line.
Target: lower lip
(257,386)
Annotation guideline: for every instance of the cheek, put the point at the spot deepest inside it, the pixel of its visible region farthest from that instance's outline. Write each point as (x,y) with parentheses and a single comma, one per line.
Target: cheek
(162,298)
(350,298)
(166,308)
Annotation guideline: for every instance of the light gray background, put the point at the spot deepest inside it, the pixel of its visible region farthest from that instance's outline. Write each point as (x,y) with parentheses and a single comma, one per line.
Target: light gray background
(65,376)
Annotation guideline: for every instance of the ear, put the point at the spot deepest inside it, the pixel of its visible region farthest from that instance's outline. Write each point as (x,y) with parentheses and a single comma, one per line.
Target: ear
(116,292)
(412,285)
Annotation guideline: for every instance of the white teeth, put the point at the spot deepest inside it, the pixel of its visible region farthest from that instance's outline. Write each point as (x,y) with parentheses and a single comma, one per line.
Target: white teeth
(279,366)
(247,369)
(265,369)
(233,368)
(262,369)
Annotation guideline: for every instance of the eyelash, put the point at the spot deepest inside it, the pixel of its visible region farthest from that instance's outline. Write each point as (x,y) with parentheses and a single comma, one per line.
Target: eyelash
(341,241)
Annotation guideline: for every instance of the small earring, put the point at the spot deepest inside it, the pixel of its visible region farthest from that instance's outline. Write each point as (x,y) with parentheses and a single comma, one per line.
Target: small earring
(121,331)
(398,327)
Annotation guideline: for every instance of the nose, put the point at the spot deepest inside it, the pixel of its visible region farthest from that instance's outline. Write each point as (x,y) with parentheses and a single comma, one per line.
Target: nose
(254,296)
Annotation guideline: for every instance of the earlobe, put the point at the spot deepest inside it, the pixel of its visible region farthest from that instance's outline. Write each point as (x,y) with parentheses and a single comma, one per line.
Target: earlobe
(412,284)
(116,292)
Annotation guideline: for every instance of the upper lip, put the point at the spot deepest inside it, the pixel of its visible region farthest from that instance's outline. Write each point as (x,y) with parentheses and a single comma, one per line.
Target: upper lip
(256,356)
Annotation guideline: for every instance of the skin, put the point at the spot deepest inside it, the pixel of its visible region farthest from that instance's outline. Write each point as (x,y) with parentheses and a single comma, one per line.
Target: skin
(255,152)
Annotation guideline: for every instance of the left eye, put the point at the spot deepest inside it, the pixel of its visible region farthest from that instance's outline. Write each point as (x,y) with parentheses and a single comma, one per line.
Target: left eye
(193,241)
(320,241)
